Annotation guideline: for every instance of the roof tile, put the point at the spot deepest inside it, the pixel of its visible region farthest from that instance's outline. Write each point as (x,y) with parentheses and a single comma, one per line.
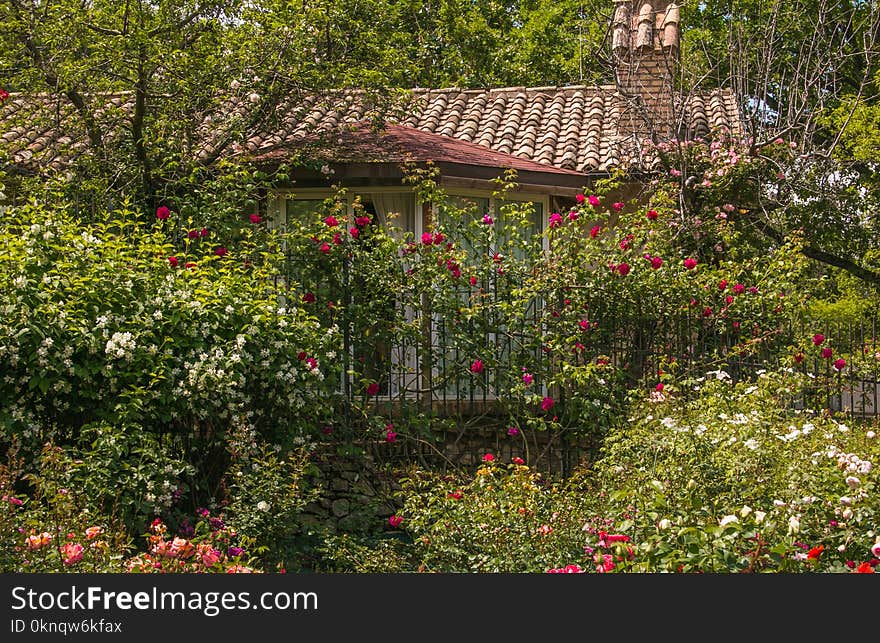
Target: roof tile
(572,127)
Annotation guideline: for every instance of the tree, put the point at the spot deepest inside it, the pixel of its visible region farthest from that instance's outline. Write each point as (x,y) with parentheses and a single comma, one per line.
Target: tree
(805,72)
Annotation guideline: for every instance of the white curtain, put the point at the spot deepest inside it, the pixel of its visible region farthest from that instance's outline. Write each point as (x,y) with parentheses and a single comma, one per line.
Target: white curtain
(396,211)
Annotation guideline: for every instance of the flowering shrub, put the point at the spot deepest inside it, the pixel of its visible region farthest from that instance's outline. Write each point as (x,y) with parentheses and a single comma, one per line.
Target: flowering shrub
(506,518)
(267,492)
(680,469)
(55,527)
(209,547)
(99,325)
(727,479)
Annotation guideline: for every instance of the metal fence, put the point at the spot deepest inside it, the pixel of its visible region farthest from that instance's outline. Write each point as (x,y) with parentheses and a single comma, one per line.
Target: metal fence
(419,356)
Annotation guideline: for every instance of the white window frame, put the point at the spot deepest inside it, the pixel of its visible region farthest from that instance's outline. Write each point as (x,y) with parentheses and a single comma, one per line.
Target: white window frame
(491,393)
(405,368)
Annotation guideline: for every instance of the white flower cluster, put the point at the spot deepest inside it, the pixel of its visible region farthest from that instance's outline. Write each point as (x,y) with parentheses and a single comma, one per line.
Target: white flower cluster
(851,463)
(120,345)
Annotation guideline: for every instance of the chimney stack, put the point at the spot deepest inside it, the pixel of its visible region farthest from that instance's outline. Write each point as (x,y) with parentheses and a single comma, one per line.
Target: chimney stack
(645,48)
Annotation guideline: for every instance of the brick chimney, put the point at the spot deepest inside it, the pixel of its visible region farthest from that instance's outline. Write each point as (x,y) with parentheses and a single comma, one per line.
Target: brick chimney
(645,49)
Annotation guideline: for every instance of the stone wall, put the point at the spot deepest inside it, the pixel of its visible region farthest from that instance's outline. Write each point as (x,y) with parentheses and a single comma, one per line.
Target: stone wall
(358,488)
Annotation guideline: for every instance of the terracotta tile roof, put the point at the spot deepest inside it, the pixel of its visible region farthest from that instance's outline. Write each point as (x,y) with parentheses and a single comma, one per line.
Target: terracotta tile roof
(577,128)
(40,132)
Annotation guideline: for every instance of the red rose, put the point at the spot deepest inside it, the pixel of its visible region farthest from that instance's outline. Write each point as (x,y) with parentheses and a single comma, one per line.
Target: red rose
(173,261)
(162,213)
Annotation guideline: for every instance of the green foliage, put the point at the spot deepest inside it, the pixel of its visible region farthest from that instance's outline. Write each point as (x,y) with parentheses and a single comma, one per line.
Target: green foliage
(728,478)
(507,518)
(110,322)
(267,492)
(49,525)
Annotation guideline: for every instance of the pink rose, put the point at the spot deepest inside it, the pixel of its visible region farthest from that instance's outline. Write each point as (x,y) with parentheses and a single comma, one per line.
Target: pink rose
(690,263)
(839,364)
(547,404)
(488,457)
(477,366)
(623,269)
(372,388)
(331,221)
(593,200)
(818,338)
(93,532)
(255,218)
(162,212)
(580,198)
(71,552)
(221,251)
(395,521)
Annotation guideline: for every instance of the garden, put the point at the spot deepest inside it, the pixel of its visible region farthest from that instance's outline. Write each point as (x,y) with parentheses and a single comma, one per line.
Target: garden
(172,387)
(678,372)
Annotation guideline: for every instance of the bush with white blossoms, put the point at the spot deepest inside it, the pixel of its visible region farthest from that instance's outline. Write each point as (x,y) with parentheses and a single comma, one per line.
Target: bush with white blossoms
(730,480)
(736,478)
(110,321)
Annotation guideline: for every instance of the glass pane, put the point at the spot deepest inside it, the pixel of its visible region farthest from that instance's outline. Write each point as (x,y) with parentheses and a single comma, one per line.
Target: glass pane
(509,224)
(303,210)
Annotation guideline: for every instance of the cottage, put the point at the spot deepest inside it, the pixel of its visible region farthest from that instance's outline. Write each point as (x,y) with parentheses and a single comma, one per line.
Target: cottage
(557,139)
